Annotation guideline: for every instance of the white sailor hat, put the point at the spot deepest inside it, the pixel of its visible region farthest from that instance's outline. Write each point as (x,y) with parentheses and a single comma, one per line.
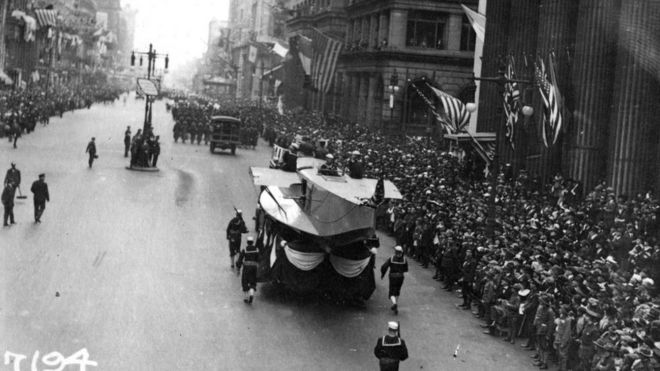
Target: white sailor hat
(392,325)
(329,156)
(249,239)
(398,248)
(239,211)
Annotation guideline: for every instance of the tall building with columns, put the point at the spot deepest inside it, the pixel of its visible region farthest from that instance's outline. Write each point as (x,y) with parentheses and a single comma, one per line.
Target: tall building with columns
(410,39)
(607,70)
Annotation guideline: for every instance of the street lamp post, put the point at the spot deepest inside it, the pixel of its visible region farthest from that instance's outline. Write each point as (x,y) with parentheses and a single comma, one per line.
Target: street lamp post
(151,67)
(394,87)
(501,80)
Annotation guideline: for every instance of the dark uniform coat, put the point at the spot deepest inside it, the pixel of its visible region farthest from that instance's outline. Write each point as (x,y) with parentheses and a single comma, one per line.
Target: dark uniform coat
(235,228)
(390,350)
(397,267)
(249,259)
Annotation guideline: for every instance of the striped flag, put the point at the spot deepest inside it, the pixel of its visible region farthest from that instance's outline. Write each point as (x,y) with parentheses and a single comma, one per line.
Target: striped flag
(326,51)
(305,53)
(477,20)
(456,114)
(512,102)
(552,118)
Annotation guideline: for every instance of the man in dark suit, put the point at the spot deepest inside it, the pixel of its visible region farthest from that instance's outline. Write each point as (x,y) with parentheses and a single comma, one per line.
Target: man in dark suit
(40,191)
(127,140)
(91,150)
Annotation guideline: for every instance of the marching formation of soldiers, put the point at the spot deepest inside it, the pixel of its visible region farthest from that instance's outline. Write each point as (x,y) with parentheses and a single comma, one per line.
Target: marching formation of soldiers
(192,117)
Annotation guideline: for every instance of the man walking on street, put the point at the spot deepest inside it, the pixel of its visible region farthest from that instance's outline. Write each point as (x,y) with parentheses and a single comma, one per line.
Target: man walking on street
(397,265)
(235,229)
(391,349)
(155,151)
(249,259)
(40,190)
(91,150)
(13,175)
(8,202)
(127,138)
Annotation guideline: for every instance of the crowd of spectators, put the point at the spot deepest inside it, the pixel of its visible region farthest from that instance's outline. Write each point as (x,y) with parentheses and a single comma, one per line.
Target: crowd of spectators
(572,275)
(22,109)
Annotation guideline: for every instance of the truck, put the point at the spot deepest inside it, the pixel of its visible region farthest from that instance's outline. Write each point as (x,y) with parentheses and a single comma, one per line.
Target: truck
(225,133)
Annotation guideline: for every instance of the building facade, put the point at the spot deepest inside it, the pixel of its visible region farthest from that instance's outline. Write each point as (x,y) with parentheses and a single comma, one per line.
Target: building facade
(607,75)
(389,46)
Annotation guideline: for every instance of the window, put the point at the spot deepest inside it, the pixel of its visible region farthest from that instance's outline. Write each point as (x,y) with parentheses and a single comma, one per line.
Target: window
(426,29)
(468,36)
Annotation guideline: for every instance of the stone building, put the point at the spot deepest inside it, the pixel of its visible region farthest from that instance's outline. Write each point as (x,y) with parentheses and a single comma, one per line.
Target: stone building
(608,74)
(412,40)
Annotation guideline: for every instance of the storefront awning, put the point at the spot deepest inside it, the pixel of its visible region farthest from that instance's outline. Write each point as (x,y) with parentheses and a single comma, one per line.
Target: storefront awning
(46,17)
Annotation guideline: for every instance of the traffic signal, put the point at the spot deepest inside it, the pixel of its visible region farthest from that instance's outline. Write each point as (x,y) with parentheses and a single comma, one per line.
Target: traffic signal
(167,61)
(133,59)
(140,61)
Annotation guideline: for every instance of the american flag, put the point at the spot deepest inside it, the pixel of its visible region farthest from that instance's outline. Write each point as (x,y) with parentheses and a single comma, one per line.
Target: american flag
(552,118)
(456,114)
(512,102)
(324,59)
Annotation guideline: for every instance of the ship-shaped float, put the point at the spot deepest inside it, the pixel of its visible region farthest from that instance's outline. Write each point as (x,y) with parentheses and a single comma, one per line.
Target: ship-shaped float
(317,232)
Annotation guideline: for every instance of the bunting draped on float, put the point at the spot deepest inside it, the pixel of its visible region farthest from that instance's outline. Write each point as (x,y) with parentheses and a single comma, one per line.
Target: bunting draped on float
(348,268)
(305,261)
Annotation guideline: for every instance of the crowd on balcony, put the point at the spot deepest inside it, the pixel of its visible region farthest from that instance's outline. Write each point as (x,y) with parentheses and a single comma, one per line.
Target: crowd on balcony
(573,276)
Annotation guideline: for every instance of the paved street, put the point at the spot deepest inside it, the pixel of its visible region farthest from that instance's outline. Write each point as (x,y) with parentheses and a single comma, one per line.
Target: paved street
(134,267)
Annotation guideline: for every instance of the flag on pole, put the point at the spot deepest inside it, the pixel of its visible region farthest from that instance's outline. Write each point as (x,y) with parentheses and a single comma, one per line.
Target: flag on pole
(477,20)
(324,61)
(305,53)
(552,118)
(456,114)
(512,102)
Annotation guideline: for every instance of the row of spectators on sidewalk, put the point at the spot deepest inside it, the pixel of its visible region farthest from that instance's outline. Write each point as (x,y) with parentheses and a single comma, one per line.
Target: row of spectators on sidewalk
(22,110)
(574,276)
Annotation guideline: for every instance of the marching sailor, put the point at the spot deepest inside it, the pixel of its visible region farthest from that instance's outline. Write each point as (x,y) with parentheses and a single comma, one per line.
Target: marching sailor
(397,265)
(391,349)
(248,259)
(235,229)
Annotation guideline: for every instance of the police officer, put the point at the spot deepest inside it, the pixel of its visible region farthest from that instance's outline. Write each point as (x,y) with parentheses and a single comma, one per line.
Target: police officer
(397,265)
(248,259)
(91,150)
(40,196)
(235,228)
(391,349)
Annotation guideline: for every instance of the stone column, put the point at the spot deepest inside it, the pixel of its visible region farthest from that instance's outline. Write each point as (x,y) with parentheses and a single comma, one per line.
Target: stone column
(373,31)
(497,32)
(453,30)
(557,25)
(371,100)
(633,143)
(521,45)
(349,32)
(383,27)
(362,99)
(346,96)
(593,68)
(397,34)
(355,89)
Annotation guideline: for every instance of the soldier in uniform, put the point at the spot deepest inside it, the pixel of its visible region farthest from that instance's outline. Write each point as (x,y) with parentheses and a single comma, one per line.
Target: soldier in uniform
(391,349)
(13,175)
(235,228)
(248,259)
(397,265)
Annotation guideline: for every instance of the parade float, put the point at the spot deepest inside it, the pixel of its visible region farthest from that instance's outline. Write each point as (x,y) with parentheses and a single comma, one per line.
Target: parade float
(317,232)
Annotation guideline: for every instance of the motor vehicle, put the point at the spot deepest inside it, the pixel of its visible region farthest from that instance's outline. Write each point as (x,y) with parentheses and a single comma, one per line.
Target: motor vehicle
(225,133)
